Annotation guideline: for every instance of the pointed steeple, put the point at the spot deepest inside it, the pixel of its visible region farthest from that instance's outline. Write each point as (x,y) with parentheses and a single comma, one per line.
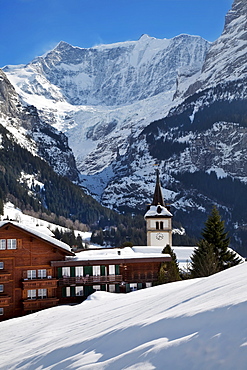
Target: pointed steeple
(158,197)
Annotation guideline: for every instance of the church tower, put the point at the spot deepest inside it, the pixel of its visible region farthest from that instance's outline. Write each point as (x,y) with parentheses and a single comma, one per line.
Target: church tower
(158,220)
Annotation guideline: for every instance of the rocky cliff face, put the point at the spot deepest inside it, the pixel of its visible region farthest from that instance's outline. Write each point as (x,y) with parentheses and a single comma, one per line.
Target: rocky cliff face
(24,123)
(226,58)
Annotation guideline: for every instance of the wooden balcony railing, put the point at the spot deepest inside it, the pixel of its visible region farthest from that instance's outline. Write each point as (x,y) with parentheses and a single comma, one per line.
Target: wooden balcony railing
(89,280)
(127,277)
(39,304)
(140,277)
(4,300)
(39,283)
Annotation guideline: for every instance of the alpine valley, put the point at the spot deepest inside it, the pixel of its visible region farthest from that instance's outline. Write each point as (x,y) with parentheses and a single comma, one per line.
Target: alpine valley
(104,116)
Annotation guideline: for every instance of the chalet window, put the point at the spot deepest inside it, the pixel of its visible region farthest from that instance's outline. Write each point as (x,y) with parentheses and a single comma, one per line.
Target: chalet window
(133,286)
(2,244)
(42,274)
(112,288)
(111,269)
(11,244)
(67,291)
(31,294)
(1,265)
(31,274)
(66,271)
(96,287)
(96,270)
(161,225)
(1,311)
(79,271)
(1,288)
(157,225)
(42,293)
(79,290)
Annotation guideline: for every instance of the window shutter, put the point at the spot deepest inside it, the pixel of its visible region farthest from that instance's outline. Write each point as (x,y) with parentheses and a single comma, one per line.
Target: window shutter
(72,271)
(64,291)
(88,270)
(72,291)
(59,273)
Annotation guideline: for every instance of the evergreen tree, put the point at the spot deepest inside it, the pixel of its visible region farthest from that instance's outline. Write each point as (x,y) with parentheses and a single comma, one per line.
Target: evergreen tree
(213,249)
(169,271)
(204,261)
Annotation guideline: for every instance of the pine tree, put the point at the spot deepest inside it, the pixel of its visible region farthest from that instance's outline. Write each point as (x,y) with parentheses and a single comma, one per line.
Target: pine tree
(213,249)
(204,261)
(169,271)
(214,233)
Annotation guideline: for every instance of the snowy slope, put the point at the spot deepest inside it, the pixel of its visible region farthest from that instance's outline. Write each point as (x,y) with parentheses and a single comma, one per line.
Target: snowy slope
(193,324)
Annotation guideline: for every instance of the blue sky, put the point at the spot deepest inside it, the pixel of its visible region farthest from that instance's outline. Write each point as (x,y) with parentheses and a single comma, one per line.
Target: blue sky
(29,28)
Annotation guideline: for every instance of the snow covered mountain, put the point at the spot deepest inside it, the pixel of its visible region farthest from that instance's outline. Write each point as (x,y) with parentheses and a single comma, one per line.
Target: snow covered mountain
(178,103)
(226,59)
(100,96)
(29,131)
(191,324)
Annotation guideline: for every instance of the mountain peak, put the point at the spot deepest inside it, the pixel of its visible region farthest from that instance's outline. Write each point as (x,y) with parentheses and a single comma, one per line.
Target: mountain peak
(62,45)
(221,65)
(238,10)
(145,36)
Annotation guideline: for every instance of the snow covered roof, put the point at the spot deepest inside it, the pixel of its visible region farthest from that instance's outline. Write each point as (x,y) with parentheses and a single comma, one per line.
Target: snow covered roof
(157,211)
(113,254)
(183,254)
(39,234)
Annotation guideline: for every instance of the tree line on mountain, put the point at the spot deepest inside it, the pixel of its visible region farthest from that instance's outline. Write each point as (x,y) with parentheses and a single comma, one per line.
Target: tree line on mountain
(216,106)
(229,192)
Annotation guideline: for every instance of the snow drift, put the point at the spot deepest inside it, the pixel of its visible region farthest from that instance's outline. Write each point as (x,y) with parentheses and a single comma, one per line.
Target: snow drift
(193,324)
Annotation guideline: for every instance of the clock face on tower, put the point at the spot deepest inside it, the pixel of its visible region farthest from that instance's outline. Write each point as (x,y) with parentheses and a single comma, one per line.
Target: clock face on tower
(159,236)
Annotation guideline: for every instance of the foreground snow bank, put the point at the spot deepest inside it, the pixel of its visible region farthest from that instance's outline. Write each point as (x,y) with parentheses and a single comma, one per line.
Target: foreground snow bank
(194,324)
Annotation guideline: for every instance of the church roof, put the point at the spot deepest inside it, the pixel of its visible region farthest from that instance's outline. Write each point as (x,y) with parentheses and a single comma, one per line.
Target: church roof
(158,207)
(158,197)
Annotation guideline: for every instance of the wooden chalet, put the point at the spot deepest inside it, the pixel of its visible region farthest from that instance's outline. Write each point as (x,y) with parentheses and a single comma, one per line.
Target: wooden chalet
(113,270)
(28,282)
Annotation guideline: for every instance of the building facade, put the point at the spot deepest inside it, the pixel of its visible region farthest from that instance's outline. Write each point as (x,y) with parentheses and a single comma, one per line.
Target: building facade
(111,270)
(28,282)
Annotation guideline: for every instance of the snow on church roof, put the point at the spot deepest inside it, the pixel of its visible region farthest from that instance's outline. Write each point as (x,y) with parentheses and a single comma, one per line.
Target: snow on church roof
(156,211)
(40,234)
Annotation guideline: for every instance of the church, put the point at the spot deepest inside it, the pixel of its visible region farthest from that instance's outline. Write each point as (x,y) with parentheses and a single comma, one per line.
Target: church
(158,219)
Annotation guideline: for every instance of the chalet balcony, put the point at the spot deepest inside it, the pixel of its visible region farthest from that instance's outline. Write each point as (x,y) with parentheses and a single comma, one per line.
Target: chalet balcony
(39,283)
(39,304)
(142,277)
(4,300)
(89,280)
(5,276)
